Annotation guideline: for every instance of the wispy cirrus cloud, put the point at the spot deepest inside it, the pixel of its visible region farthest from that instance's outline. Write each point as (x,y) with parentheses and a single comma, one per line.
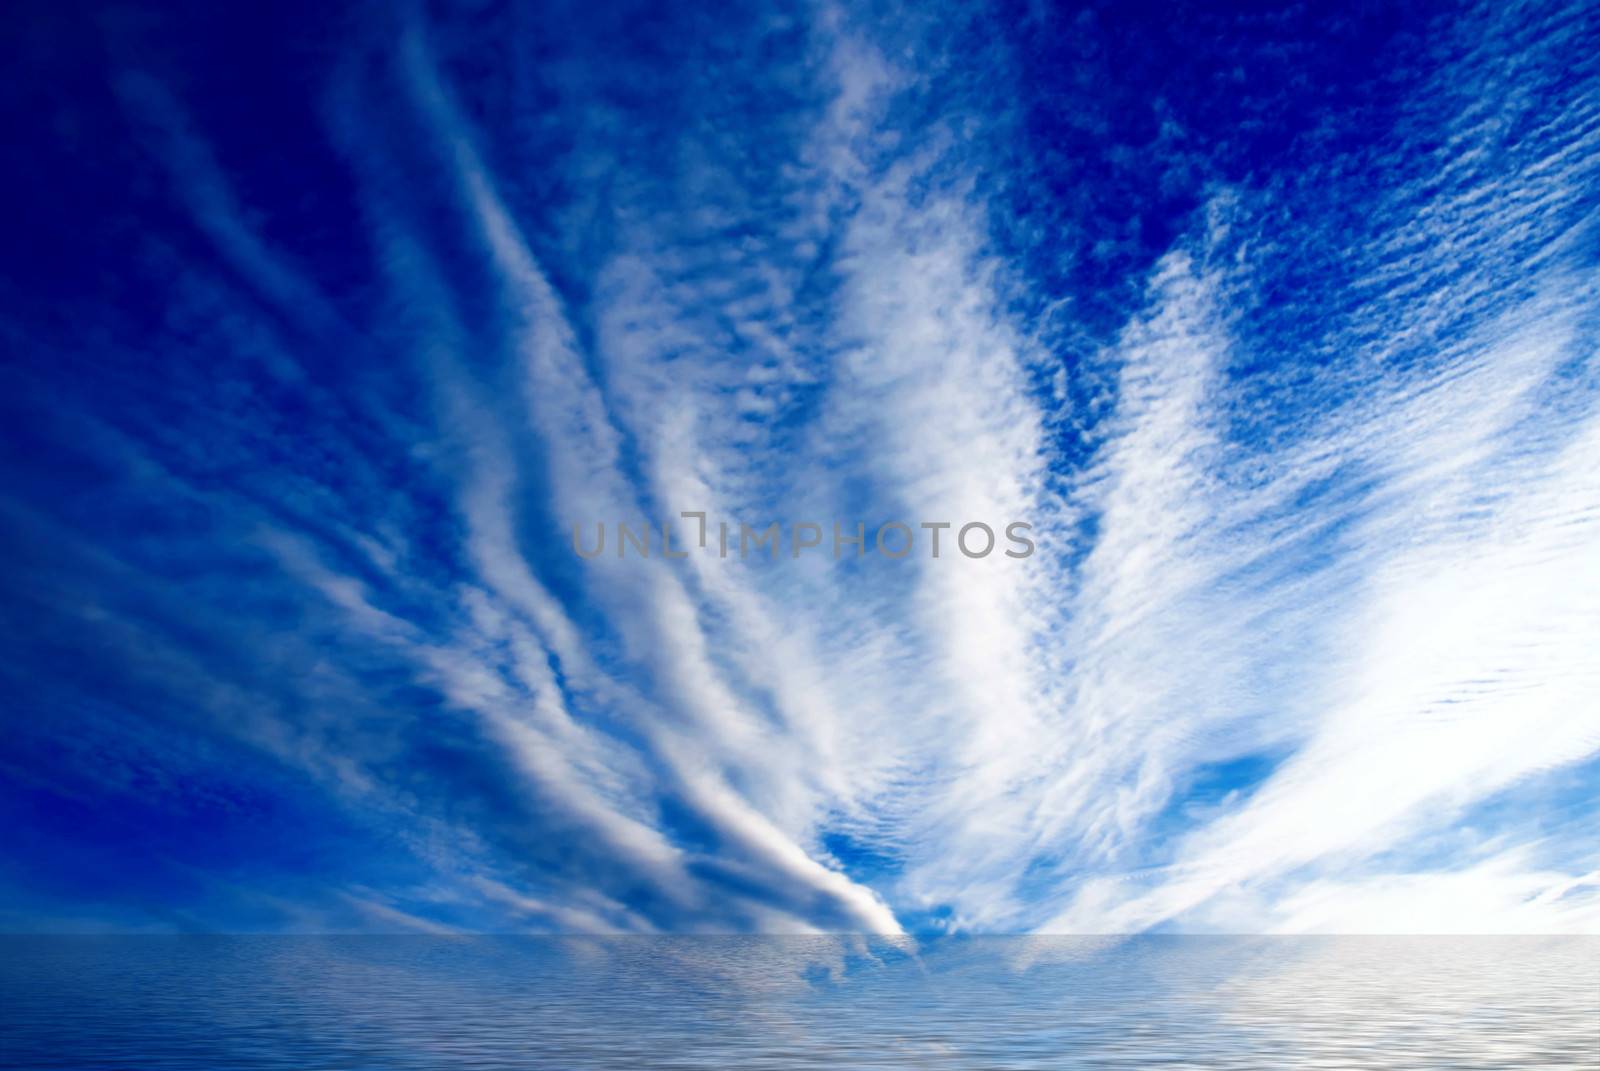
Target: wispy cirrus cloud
(1304,644)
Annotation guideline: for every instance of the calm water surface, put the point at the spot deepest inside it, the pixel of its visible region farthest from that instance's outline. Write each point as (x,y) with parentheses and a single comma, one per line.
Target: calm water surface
(683,1002)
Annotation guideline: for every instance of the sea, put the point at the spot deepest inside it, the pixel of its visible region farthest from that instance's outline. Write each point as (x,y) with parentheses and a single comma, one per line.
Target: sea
(153,1002)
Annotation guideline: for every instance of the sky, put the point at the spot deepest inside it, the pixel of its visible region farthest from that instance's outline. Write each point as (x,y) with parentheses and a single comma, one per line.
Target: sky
(325,327)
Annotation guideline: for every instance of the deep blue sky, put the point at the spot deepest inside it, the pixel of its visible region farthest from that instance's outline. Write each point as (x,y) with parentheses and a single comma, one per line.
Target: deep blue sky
(324,324)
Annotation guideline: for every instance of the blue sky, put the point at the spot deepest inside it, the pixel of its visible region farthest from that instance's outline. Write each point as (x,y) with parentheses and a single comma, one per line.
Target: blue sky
(325,324)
